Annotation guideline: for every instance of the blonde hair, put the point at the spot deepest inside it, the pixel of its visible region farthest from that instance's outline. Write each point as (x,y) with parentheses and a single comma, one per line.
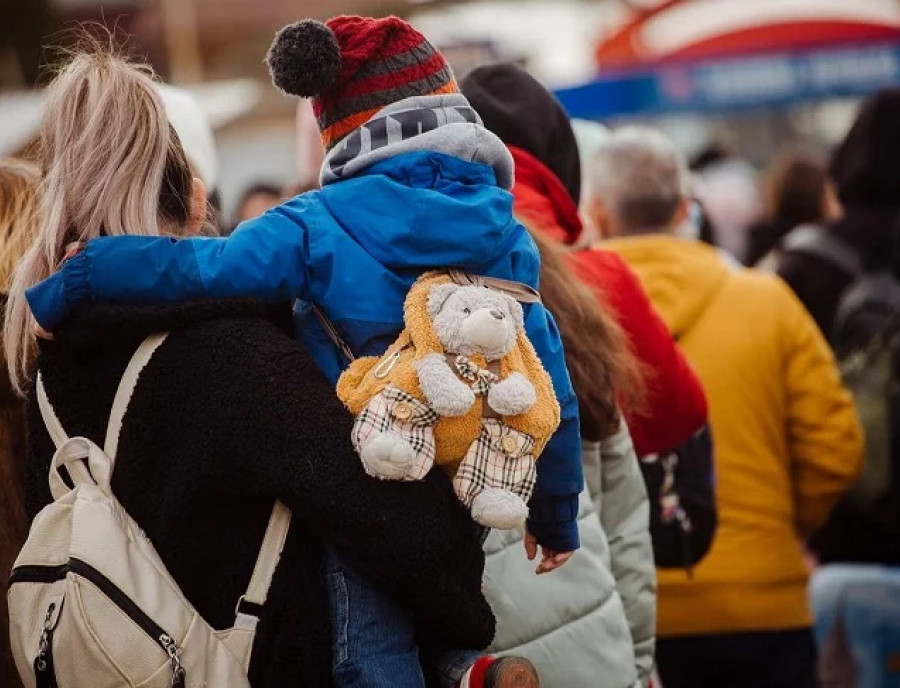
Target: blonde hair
(18,213)
(112,165)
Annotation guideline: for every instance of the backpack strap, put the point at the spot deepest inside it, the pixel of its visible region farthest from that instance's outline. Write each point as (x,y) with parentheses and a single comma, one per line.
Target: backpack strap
(517,290)
(82,459)
(250,604)
(816,241)
(54,427)
(126,389)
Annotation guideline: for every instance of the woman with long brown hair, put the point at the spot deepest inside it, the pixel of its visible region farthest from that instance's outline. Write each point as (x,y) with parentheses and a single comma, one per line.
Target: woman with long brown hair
(593,620)
(18,214)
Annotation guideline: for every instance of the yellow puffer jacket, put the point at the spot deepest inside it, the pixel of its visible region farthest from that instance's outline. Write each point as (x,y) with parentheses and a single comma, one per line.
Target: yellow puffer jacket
(787,439)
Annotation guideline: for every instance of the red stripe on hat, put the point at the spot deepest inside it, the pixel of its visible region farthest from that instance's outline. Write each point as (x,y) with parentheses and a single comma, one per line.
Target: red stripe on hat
(385,82)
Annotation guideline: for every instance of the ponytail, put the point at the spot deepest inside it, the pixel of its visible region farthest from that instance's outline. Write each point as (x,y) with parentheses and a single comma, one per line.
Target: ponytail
(112,165)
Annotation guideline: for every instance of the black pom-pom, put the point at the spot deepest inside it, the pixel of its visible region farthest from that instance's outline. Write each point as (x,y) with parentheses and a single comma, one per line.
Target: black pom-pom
(304,59)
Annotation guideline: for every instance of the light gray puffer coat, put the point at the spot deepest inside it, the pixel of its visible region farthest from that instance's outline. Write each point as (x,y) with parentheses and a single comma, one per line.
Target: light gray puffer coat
(590,623)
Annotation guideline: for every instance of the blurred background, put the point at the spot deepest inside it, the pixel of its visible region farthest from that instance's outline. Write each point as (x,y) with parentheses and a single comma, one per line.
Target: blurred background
(730,80)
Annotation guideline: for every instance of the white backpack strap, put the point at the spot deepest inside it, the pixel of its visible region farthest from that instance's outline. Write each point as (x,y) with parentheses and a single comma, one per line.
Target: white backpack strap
(126,388)
(250,604)
(54,427)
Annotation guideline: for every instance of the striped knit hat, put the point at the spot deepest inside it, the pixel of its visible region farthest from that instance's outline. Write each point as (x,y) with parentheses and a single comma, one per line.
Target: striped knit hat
(352,67)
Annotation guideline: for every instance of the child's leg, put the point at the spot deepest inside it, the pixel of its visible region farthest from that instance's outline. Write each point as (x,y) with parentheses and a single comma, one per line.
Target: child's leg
(373,640)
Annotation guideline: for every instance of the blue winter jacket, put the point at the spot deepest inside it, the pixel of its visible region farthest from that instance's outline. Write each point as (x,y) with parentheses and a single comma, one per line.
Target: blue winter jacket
(354,248)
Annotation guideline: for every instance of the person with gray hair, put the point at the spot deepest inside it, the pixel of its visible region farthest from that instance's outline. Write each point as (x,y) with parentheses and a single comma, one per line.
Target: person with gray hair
(639,183)
(787,440)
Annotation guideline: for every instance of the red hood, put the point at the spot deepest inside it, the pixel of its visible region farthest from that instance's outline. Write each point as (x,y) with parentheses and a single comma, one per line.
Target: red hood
(542,200)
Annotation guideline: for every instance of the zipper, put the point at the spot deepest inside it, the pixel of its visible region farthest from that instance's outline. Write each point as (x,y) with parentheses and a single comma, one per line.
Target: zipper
(50,574)
(44,671)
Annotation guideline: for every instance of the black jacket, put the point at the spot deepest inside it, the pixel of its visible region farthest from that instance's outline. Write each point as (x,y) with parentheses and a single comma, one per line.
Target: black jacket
(850,534)
(229,415)
(873,232)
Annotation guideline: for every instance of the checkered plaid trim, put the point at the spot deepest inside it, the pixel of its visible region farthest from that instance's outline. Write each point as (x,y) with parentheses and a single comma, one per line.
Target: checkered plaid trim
(500,457)
(480,379)
(395,411)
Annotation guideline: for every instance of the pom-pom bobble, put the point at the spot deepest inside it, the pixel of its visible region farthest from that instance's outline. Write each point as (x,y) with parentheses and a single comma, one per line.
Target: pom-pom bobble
(304,59)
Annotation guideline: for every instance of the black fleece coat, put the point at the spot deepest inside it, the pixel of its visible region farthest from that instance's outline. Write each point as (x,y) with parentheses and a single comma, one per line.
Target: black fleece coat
(229,415)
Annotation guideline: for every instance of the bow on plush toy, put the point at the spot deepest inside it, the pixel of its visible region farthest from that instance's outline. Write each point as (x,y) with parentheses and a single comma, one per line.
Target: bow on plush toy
(461,387)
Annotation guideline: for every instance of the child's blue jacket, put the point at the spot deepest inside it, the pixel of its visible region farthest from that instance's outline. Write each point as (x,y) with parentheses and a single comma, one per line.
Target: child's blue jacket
(354,248)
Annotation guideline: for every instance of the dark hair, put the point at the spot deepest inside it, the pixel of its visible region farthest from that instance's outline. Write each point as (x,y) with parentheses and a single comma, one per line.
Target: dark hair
(259,189)
(794,193)
(177,183)
(601,364)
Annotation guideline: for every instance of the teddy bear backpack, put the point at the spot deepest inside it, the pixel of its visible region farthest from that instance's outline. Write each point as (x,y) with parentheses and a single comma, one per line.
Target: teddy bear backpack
(461,387)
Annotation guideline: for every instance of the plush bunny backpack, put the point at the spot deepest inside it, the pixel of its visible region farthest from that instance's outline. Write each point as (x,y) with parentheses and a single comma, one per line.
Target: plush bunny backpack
(461,387)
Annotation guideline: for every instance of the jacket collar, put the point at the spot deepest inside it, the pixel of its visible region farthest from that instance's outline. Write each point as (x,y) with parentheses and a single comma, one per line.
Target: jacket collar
(111,325)
(544,200)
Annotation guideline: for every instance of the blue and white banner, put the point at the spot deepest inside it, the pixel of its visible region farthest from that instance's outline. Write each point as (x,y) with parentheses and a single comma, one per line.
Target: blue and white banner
(737,83)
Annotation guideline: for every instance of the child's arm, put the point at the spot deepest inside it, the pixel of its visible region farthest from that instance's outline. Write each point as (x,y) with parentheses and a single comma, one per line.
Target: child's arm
(560,476)
(265,258)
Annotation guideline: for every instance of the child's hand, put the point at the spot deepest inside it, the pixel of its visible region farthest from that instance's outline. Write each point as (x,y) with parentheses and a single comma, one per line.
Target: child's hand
(550,558)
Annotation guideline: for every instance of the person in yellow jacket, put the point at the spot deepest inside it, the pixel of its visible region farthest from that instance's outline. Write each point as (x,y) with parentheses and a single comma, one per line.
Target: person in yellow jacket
(787,439)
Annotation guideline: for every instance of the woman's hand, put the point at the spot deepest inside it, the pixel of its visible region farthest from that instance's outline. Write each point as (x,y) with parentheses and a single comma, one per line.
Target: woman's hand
(550,558)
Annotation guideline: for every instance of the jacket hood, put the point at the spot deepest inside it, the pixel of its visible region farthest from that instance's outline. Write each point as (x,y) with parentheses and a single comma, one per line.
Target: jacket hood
(517,108)
(112,325)
(424,210)
(681,276)
(541,199)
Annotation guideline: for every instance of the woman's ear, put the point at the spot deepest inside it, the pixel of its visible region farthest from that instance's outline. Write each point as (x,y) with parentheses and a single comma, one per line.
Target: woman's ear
(197,210)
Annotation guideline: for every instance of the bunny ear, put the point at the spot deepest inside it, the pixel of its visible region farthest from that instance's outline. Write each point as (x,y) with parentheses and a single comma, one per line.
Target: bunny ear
(438,296)
(304,59)
(515,309)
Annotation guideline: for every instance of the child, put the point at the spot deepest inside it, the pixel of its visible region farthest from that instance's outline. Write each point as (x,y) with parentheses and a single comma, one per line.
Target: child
(411,181)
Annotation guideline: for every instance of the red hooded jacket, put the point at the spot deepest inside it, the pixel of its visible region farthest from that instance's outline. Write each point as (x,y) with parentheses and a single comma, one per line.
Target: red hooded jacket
(676,404)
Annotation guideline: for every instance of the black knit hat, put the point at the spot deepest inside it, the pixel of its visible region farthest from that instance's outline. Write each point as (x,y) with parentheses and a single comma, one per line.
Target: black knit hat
(866,166)
(518,109)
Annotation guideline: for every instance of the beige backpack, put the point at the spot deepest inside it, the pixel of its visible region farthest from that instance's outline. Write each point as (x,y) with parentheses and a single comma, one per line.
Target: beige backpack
(91,604)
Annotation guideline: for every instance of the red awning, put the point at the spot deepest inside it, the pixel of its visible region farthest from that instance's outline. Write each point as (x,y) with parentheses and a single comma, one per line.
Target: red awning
(697,29)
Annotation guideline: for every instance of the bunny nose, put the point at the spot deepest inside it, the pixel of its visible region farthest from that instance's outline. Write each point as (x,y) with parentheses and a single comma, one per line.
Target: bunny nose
(497,314)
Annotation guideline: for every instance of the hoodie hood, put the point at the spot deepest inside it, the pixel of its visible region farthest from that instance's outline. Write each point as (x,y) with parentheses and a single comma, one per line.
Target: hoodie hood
(426,209)
(682,277)
(542,201)
(517,108)
(442,123)
(866,166)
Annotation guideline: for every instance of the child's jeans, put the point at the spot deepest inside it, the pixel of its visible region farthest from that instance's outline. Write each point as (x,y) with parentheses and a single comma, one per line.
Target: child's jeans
(857,610)
(374,642)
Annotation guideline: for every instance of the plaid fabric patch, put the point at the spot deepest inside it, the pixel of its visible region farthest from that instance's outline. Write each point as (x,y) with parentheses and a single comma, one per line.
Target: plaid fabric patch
(480,379)
(397,412)
(500,457)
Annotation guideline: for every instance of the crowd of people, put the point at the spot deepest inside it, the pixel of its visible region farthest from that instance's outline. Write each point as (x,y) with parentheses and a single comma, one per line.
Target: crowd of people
(717,503)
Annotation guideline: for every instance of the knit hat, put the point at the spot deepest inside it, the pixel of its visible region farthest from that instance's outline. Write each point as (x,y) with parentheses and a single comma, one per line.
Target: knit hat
(352,67)
(518,109)
(866,166)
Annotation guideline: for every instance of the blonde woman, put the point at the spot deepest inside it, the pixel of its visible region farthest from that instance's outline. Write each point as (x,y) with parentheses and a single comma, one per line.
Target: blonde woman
(230,414)
(18,205)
